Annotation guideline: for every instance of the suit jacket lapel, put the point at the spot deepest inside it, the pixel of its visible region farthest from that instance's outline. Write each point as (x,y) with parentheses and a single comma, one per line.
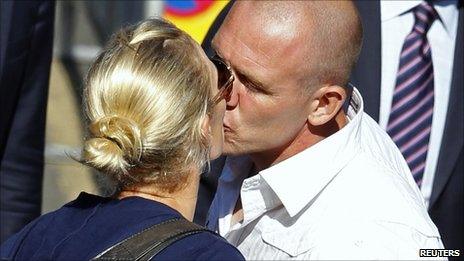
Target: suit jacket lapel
(453,140)
(366,74)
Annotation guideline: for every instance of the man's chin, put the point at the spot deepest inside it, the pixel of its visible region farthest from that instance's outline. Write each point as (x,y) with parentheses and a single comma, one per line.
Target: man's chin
(235,150)
(231,150)
(230,153)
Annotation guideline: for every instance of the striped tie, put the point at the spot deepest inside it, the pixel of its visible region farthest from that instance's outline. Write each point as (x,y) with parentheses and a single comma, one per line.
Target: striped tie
(410,121)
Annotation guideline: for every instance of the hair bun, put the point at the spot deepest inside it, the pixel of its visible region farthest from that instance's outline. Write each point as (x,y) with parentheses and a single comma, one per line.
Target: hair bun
(116,146)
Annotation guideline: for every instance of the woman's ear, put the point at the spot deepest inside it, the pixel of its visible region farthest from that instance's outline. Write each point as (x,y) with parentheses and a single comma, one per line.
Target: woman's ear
(325,104)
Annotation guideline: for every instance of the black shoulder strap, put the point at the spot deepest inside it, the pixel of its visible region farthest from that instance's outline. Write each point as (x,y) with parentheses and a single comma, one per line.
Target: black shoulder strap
(149,242)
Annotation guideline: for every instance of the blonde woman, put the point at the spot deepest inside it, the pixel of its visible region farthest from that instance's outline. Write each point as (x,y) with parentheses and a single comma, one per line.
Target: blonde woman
(155,105)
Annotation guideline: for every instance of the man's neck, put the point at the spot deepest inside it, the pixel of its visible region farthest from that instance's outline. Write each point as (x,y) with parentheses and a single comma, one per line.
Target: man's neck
(266,159)
(307,137)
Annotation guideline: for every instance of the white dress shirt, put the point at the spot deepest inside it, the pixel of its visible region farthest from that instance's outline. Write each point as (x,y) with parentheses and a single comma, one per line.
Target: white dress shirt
(396,23)
(350,196)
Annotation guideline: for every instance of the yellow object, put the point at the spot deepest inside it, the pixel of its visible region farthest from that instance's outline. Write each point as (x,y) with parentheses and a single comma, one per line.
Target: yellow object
(197,25)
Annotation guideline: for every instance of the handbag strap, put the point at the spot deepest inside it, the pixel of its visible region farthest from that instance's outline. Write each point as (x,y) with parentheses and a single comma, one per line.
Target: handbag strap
(150,241)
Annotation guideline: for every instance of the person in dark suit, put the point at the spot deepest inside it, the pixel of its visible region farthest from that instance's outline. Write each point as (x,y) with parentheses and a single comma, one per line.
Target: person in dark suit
(446,193)
(26,40)
(442,185)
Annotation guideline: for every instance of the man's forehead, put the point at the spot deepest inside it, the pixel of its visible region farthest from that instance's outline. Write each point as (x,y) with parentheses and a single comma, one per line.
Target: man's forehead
(229,45)
(265,46)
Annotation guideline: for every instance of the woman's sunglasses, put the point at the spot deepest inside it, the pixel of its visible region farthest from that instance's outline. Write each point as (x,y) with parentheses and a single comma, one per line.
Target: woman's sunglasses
(225,79)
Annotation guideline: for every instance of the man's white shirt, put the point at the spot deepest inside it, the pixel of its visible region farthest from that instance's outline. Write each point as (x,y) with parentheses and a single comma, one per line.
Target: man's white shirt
(350,196)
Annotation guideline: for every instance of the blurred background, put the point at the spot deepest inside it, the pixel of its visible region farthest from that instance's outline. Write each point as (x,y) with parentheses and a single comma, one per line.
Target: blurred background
(81,29)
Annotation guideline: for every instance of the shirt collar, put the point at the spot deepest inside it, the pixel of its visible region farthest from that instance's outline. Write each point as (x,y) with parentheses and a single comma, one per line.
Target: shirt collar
(447,11)
(298,180)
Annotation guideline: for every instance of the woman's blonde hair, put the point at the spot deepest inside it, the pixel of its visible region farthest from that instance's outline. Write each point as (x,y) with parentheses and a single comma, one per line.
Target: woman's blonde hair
(145,97)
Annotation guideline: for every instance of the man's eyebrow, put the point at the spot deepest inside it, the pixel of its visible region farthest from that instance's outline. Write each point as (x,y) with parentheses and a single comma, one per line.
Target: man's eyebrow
(248,78)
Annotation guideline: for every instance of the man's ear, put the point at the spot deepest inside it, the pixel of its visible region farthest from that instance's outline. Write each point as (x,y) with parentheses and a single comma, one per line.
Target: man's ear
(325,104)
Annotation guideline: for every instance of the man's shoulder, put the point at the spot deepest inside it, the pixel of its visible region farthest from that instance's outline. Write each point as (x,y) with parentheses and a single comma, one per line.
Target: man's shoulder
(377,191)
(378,149)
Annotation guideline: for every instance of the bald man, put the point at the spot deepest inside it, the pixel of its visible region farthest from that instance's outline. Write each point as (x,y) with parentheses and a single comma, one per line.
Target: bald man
(308,175)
